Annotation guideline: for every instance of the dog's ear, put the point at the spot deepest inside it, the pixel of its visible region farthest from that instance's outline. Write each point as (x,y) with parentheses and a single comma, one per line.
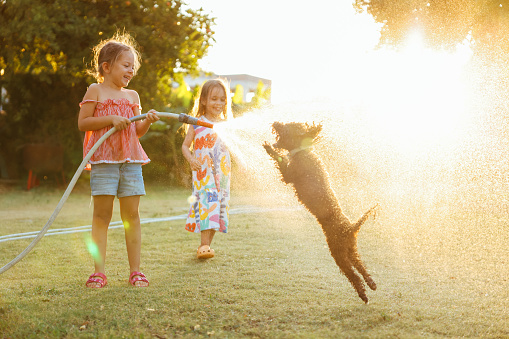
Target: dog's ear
(314,130)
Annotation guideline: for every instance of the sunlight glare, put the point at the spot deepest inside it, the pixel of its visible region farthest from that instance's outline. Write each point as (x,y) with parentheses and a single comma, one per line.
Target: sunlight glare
(417,97)
(93,249)
(191,199)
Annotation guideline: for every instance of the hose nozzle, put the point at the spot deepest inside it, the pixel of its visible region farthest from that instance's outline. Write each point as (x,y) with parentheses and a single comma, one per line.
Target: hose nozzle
(193,121)
(182,117)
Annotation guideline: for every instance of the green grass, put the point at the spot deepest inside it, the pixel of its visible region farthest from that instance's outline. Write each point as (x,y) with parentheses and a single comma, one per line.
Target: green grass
(438,275)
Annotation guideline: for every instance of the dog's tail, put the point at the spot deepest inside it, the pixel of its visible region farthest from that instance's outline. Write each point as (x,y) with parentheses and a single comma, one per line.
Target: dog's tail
(372,211)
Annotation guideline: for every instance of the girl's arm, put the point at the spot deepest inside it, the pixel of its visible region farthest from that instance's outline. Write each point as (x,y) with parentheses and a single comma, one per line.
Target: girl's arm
(142,126)
(86,119)
(186,150)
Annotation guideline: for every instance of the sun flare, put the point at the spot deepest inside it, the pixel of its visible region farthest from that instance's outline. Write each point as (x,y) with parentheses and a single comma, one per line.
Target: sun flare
(417,97)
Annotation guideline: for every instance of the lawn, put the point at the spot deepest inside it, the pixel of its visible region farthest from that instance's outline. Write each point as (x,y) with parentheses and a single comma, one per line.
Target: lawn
(440,273)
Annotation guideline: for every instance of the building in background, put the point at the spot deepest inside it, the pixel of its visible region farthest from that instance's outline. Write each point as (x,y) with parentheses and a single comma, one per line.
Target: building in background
(249,83)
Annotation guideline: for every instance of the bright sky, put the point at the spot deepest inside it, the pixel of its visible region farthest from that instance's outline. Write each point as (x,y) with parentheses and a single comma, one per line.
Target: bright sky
(325,50)
(305,50)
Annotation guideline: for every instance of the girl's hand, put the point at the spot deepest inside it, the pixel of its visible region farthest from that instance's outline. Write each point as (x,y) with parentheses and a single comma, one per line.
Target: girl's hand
(119,122)
(195,164)
(151,116)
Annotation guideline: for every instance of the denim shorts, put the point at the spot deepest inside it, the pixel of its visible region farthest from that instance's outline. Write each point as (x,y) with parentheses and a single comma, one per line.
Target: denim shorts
(122,180)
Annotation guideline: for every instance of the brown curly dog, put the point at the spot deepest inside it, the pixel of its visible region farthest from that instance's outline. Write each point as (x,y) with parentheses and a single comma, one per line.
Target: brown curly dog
(300,166)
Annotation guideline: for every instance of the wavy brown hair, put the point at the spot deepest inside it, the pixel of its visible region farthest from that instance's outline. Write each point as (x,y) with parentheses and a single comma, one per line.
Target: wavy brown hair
(199,104)
(109,51)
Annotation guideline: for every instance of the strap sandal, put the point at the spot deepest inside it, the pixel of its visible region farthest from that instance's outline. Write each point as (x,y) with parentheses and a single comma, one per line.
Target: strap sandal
(93,279)
(138,276)
(205,252)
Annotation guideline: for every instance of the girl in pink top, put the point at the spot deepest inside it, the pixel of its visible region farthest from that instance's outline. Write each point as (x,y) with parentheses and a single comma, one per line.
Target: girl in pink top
(116,165)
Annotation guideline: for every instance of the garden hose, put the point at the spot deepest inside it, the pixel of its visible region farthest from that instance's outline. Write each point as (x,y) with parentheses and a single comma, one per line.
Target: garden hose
(181,117)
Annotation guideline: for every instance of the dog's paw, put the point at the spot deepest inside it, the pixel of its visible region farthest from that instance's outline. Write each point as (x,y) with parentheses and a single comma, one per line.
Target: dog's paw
(375,210)
(363,296)
(282,160)
(270,150)
(371,283)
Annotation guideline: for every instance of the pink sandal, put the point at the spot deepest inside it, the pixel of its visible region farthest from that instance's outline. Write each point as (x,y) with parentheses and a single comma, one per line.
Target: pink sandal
(140,277)
(93,279)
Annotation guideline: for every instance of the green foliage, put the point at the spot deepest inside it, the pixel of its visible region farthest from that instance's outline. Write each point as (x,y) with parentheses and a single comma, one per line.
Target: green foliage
(484,24)
(163,145)
(238,96)
(183,96)
(46,46)
(444,23)
(261,97)
(164,139)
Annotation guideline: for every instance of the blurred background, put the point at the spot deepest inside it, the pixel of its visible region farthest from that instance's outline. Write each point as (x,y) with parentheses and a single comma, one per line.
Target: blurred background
(421,82)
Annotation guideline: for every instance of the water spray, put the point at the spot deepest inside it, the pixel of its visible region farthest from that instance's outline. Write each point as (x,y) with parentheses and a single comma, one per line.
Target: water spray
(184,118)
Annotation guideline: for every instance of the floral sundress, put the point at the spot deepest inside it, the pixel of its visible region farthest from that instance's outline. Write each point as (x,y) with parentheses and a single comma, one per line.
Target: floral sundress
(211,184)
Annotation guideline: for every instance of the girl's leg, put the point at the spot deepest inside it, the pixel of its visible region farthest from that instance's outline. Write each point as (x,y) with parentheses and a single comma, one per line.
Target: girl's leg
(103,209)
(206,237)
(129,212)
(204,250)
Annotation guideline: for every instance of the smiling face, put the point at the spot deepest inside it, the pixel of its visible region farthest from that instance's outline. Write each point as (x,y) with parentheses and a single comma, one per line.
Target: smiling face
(215,103)
(121,71)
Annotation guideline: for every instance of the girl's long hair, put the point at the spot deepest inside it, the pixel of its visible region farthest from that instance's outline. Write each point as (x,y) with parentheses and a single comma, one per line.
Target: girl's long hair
(199,104)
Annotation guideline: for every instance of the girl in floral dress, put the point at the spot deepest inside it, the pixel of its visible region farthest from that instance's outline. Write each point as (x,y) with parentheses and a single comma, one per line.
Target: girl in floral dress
(211,165)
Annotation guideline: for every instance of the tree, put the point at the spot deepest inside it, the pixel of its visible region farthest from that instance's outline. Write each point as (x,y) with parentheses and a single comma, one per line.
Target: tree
(484,24)
(444,23)
(260,98)
(238,96)
(262,95)
(45,47)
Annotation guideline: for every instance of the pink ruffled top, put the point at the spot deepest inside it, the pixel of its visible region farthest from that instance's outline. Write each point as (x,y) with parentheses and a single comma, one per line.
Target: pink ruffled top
(122,146)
